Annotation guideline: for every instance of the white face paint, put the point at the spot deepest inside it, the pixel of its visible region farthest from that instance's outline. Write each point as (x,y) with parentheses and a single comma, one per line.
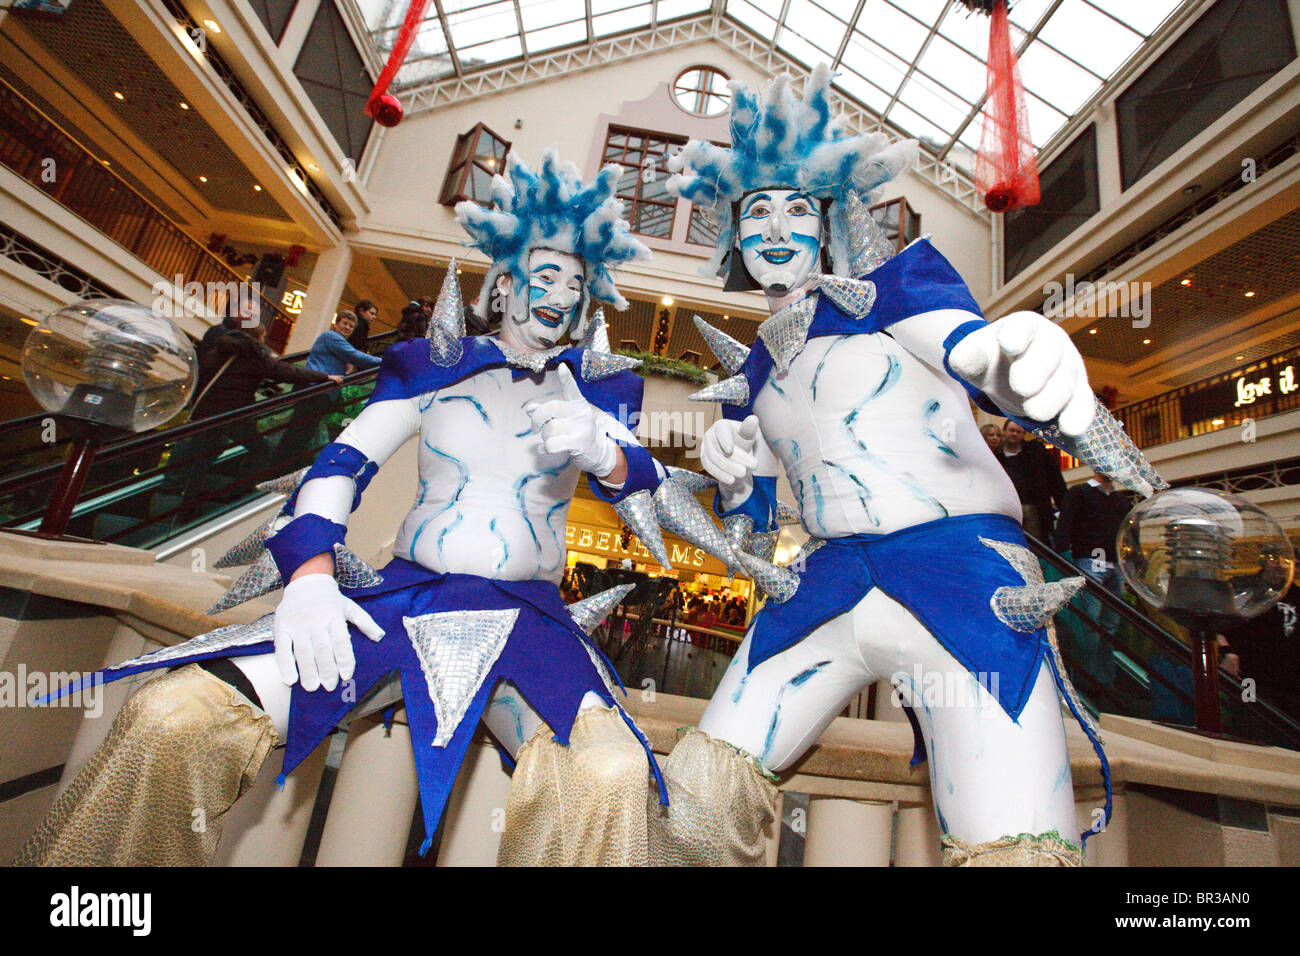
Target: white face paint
(780,236)
(547,308)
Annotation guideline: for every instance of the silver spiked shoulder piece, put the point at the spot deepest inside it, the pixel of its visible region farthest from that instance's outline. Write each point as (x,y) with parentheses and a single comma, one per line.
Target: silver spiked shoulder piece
(447,324)
(597,360)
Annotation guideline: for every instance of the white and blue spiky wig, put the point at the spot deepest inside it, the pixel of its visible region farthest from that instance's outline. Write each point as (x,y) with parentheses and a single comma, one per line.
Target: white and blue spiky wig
(552,209)
(782,141)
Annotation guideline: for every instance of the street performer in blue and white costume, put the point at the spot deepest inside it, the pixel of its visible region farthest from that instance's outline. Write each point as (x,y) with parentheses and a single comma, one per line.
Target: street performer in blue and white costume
(468,612)
(858,388)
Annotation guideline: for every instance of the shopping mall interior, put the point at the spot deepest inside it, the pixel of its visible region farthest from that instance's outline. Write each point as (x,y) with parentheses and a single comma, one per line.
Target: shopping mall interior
(150,145)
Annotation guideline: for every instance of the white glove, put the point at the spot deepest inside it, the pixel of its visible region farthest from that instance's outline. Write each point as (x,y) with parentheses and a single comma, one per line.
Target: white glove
(569,425)
(728,454)
(311,632)
(1029,367)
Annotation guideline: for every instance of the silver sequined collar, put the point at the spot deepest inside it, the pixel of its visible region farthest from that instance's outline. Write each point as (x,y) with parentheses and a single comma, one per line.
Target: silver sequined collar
(533,361)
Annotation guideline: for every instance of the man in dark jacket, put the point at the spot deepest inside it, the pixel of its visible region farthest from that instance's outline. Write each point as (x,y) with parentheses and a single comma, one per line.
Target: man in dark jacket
(230,371)
(1037,476)
(367,313)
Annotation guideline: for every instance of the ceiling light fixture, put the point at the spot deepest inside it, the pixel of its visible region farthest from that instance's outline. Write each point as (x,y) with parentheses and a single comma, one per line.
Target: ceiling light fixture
(1092,331)
(667,300)
(118,95)
(257,188)
(212,25)
(1146,341)
(184,105)
(1250,295)
(203,179)
(1187,282)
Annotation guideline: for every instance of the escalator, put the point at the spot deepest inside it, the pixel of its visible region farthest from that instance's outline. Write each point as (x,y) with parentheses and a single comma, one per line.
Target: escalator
(145,490)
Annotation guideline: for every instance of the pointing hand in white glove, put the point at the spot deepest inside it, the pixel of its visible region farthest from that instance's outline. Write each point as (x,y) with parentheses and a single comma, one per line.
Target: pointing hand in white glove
(569,425)
(1029,367)
(312,643)
(728,453)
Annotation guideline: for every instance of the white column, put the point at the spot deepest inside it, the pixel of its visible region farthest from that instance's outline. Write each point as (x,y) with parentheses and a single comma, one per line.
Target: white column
(918,837)
(476,811)
(324,290)
(848,832)
(374,797)
(267,826)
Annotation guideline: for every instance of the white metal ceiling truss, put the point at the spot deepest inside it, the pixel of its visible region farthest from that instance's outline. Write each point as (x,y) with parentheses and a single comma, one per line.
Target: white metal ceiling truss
(711,25)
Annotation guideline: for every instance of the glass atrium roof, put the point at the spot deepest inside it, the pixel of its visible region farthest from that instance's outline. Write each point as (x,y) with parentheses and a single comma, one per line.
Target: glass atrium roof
(919,64)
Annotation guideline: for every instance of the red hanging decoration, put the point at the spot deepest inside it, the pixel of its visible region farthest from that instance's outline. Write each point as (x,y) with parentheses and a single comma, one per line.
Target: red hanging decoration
(1006,169)
(382,106)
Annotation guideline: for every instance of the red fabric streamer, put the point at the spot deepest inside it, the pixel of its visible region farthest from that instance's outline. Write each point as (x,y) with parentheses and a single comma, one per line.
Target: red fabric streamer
(1006,170)
(381,105)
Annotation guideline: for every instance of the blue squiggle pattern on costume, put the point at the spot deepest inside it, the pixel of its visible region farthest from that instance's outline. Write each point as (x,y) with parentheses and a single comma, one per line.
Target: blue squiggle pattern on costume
(505,545)
(516,714)
(473,401)
(442,535)
(864,493)
(524,433)
(818,502)
(521,487)
(794,682)
(462,472)
(931,409)
(905,479)
(555,534)
(822,364)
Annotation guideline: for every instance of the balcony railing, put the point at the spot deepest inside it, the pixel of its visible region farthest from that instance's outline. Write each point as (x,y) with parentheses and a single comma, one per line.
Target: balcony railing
(1267,386)
(41,152)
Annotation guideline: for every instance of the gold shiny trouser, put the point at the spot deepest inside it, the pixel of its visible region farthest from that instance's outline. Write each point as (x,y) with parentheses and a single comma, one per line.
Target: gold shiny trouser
(183,748)
(580,805)
(720,801)
(1027,849)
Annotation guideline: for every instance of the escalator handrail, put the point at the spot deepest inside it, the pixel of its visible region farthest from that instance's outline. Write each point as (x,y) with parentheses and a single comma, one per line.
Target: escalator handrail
(1279,721)
(113,450)
(36,420)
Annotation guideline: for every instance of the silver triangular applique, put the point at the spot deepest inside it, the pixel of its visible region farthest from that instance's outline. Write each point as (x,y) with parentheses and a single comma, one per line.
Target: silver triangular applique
(599,365)
(224,638)
(730,353)
(695,482)
(805,549)
(350,571)
(456,650)
(854,297)
(680,514)
(596,338)
(869,247)
(449,310)
(248,549)
(737,528)
(445,349)
(762,544)
(261,578)
(637,511)
(1033,605)
(732,391)
(590,612)
(285,484)
(786,333)
(610,684)
(779,583)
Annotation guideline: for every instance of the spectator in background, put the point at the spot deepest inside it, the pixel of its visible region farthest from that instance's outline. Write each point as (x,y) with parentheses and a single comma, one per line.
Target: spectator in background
(366,313)
(1036,473)
(414,323)
(992,436)
(1266,648)
(426,306)
(1085,534)
(332,352)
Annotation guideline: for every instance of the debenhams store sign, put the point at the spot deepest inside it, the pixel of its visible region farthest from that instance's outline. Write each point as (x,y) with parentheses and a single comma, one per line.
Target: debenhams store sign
(605,542)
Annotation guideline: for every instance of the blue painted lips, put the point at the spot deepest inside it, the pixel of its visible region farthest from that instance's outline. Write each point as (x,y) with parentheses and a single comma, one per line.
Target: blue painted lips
(549,317)
(778,256)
